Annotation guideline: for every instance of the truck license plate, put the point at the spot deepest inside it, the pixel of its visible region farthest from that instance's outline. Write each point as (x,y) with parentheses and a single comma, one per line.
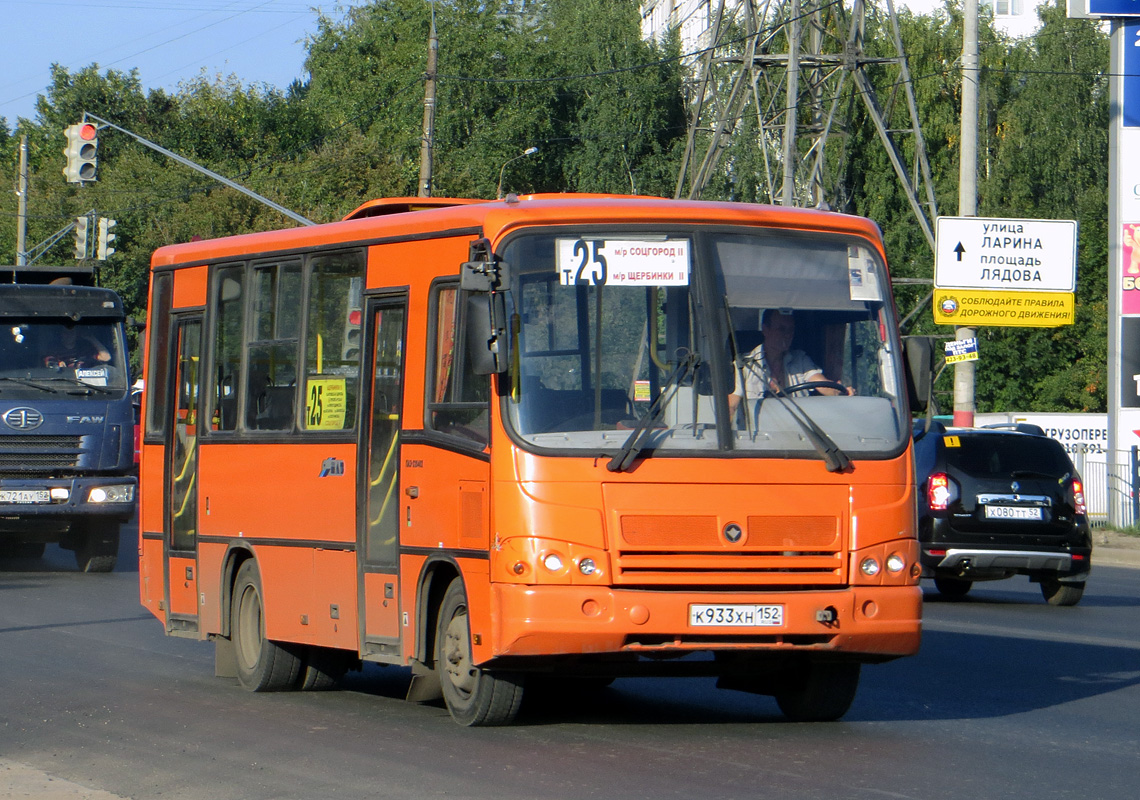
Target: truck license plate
(1013,512)
(737,615)
(24,496)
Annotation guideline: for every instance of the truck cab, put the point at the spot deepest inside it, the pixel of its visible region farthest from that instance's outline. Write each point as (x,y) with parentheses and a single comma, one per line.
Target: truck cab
(66,421)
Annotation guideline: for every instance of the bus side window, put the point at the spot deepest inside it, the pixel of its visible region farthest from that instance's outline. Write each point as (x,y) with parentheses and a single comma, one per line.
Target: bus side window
(458,403)
(228,324)
(272,378)
(332,340)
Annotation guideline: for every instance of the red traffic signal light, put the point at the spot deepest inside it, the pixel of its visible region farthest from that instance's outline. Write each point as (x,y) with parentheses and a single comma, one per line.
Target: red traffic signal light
(82,148)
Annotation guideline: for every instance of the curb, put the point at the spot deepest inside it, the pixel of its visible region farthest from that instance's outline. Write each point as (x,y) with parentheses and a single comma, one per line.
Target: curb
(1115,557)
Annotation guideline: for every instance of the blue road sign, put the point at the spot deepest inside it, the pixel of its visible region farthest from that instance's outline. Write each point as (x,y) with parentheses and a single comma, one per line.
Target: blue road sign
(1114,8)
(1130,99)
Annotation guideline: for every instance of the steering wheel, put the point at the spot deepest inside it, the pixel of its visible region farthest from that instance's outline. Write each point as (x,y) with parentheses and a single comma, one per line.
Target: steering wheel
(824,384)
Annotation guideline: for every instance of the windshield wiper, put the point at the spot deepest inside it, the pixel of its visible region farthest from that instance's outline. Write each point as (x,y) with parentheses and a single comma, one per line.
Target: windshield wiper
(832,454)
(640,433)
(90,387)
(32,383)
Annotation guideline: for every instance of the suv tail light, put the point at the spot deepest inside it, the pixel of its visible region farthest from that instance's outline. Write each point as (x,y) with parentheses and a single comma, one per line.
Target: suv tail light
(1077,496)
(941,491)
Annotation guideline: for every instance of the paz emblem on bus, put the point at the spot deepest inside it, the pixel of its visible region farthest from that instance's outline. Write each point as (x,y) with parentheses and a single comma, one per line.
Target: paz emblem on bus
(331,466)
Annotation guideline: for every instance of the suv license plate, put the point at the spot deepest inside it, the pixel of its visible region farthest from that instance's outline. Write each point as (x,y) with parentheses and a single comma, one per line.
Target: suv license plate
(24,496)
(737,615)
(1013,512)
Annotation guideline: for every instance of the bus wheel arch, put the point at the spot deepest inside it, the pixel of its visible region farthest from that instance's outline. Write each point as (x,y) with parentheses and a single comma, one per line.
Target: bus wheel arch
(231,563)
(437,574)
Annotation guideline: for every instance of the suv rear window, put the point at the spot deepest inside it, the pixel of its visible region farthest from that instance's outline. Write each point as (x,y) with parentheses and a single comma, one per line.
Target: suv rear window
(994,455)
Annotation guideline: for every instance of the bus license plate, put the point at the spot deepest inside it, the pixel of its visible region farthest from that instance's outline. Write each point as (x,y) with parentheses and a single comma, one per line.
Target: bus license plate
(24,496)
(737,615)
(1013,512)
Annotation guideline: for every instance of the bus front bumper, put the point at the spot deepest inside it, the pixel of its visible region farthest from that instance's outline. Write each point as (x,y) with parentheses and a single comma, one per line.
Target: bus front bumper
(878,622)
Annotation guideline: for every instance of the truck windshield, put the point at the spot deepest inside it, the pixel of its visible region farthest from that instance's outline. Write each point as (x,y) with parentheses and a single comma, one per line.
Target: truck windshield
(40,355)
(601,321)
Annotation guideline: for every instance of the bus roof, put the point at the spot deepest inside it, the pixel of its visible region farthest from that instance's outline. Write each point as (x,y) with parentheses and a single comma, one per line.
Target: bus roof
(399,217)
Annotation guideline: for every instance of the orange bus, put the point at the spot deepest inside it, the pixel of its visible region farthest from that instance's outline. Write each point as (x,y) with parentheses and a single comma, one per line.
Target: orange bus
(530,441)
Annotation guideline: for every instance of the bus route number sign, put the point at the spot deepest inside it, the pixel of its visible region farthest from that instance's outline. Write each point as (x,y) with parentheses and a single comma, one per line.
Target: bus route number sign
(623,262)
(325,404)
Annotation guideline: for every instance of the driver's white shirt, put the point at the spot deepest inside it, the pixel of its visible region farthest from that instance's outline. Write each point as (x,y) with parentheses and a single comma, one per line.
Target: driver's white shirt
(798,368)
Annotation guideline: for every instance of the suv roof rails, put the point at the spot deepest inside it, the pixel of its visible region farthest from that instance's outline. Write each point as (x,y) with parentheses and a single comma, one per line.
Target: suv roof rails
(1020,427)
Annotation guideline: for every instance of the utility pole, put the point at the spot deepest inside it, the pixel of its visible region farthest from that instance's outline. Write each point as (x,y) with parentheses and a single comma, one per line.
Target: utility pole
(429,111)
(22,206)
(967,194)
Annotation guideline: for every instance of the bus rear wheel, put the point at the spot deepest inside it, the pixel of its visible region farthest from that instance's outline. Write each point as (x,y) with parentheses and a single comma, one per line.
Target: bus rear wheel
(262,665)
(822,692)
(474,696)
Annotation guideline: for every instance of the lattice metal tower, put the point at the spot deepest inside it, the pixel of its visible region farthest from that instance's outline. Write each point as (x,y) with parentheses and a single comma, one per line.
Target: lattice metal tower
(798,68)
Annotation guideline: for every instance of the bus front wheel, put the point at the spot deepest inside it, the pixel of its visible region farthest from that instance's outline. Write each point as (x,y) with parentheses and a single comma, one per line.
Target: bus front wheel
(820,693)
(262,665)
(473,695)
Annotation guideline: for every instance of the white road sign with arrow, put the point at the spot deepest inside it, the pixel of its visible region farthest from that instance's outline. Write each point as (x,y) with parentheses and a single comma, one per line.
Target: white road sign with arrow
(1019,254)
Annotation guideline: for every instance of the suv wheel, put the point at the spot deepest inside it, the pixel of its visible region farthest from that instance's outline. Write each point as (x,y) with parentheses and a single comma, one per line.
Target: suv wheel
(1061,594)
(952,588)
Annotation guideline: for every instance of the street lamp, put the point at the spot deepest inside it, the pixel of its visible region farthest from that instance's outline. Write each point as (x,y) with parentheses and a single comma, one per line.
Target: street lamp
(530,151)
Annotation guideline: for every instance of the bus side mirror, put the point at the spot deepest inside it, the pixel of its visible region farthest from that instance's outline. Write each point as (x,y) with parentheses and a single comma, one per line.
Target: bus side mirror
(919,354)
(486,332)
(483,279)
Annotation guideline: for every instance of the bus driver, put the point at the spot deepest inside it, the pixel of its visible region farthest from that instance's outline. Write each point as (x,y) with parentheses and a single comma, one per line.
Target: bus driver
(773,366)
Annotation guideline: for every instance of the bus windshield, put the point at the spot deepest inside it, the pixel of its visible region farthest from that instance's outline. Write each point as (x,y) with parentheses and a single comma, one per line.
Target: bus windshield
(716,341)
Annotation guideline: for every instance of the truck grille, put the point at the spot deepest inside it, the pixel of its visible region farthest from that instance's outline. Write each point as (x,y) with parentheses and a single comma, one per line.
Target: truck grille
(783,551)
(36,454)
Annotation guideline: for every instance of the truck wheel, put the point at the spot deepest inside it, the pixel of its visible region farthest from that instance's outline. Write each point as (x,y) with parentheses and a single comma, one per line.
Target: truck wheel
(262,665)
(97,545)
(473,695)
(1061,594)
(952,588)
(821,693)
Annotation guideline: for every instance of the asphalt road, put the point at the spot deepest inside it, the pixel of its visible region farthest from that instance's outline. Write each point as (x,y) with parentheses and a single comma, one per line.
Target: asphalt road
(1009,697)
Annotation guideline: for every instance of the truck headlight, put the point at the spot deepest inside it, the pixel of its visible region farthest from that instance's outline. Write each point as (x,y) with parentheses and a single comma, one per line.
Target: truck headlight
(112,494)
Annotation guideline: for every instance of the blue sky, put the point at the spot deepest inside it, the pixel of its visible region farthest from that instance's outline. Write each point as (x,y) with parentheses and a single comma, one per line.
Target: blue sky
(167,41)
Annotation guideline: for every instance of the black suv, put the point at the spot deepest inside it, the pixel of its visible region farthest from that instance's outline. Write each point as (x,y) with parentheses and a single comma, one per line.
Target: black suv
(999,501)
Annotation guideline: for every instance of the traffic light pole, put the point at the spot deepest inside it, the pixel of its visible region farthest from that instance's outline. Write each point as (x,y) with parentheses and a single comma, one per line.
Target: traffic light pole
(187,162)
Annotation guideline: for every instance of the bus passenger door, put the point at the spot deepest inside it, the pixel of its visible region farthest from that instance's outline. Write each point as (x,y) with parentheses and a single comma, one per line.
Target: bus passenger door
(181,514)
(380,526)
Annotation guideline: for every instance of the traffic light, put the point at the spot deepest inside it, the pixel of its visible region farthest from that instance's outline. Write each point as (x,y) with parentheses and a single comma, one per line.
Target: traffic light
(81,226)
(103,247)
(82,146)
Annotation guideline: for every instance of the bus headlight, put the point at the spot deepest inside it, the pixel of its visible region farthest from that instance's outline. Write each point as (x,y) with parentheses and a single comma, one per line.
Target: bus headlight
(552,561)
(534,560)
(869,567)
(895,563)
